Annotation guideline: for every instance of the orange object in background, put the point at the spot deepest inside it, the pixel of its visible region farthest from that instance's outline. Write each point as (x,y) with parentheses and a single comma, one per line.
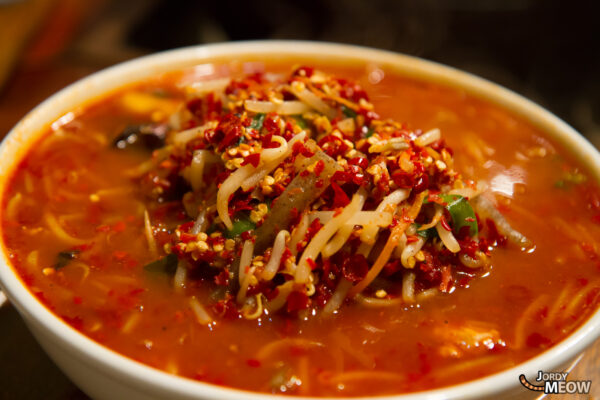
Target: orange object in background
(33,32)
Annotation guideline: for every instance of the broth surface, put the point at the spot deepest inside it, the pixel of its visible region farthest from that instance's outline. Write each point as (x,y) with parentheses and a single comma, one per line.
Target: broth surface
(527,302)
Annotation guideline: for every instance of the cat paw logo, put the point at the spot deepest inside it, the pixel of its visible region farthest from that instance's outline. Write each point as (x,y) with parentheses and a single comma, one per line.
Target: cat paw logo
(556,383)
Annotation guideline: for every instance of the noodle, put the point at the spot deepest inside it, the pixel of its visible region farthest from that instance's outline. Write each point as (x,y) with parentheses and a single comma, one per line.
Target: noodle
(270,349)
(311,99)
(392,242)
(278,247)
(410,250)
(283,291)
(299,233)
(241,295)
(580,296)
(366,375)
(59,232)
(519,340)
(258,311)
(131,322)
(408,287)
(338,296)
(202,316)
(150,235)
(196,170)
(179,277)
(344,343)
(248,176)
(447,238)
(327,231)
(13,206)
(246,258)
(428,138)
(284,108)
(375,302)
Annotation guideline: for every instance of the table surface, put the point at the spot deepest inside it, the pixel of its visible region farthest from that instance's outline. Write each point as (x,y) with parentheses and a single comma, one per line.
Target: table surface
(26,372)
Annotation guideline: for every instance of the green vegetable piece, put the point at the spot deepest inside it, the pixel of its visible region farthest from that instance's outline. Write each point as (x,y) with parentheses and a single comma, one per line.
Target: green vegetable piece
(257,121)
(348,112)
(166,265)
(461,212)
(370,133)
(560,184)
(64,258)
(300,121)
(240,226)
(426,233)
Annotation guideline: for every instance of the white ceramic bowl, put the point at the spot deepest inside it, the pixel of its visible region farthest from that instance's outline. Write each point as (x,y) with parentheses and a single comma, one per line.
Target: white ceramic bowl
(104,374)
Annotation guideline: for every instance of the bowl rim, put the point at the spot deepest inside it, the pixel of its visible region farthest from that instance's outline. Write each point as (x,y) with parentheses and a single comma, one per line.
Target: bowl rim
(109,362)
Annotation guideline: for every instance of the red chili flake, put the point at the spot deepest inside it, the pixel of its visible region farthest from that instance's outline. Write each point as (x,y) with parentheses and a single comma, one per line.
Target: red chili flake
(494,235)
(297,301)
(120,255)
(588,249)
(421,183)
(313,228)
(538,341)
(596,219)
(236,85)
(319,183)
(470,219)
(359,161)
(340,199)
(178,315)
(247,236)
(75,322)
(296,147)
(355,268)
(187,237)
(215,240)
(304,173)
(403,179)
(195,107)
(271,124)
(186,227)
(83,247)
(253,159)
(311,263)
(213,106)
(227,309)
(412,238)
(230,128)
(319,167)
(352,91)
(445,224)
(253,363)
(341,176)
(304,71)
(446,279)
(469,246)
(77,300)
(333,146)
(268,143)
(368,115)
(392,267)
(356,174)
(119,226)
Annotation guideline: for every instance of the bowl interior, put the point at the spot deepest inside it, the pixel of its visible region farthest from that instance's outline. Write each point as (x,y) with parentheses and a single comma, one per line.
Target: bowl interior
(60,107)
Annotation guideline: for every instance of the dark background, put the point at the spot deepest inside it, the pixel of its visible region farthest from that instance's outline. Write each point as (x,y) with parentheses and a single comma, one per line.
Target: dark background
(547,50)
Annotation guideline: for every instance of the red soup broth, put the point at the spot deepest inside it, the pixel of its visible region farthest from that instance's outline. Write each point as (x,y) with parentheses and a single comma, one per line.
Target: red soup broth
(90,273)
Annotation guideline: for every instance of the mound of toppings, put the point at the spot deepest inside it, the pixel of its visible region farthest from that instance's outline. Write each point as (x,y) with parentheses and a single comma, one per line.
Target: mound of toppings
(297,196)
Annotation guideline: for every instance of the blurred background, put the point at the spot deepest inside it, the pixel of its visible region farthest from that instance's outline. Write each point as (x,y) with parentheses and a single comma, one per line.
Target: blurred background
(547,50)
